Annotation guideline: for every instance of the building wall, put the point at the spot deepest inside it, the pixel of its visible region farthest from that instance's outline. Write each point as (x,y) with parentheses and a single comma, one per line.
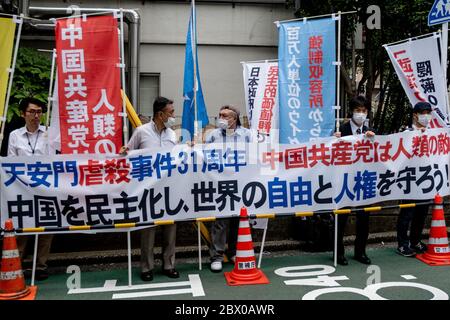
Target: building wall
(226,35)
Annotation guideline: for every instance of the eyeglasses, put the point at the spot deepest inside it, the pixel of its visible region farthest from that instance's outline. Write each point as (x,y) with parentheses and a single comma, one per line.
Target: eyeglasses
(35,112)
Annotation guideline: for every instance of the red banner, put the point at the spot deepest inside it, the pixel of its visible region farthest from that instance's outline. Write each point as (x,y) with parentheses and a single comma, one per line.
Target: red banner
(89,85)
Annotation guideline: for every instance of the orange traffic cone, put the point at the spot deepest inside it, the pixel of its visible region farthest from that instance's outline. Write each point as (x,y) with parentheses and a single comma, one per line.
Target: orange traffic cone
(245,271)
(12,282)
(438,252)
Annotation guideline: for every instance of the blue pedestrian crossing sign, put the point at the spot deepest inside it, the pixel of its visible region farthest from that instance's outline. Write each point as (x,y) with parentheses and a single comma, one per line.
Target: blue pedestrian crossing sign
(439,13)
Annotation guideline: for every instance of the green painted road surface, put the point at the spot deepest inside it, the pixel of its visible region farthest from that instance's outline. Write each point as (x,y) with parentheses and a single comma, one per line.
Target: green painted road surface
(306,276)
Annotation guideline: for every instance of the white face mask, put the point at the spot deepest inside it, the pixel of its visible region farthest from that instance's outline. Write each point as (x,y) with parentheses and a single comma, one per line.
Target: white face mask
(424,119)
(222,124)
(170,122)
(359,118)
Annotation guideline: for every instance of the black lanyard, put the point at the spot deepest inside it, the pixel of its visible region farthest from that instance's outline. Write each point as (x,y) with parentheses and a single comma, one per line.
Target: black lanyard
(35,143)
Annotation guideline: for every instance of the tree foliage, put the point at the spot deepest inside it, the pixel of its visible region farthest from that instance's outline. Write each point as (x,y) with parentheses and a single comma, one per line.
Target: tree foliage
(400,19)
(31,79)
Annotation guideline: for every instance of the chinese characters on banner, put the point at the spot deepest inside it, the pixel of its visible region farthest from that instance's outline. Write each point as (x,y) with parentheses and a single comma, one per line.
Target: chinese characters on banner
(89,85)
(261,96)
(418,67)
(217,180)
(307,79)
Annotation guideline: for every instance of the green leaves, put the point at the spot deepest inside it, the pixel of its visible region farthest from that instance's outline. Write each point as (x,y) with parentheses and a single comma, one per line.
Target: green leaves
(31,79)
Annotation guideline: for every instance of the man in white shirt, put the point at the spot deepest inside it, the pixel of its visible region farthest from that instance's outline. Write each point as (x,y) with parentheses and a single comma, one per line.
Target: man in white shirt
(156,133)
(359,108)
(226,230)
(30,141)
(414,218)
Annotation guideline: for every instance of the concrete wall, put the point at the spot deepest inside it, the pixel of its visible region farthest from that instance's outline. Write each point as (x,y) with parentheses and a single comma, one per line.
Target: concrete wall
(226,34)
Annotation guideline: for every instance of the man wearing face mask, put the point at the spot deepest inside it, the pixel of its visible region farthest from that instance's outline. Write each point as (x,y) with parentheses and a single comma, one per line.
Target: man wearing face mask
(359,108)
(409,246)
(156,133)
(229,131)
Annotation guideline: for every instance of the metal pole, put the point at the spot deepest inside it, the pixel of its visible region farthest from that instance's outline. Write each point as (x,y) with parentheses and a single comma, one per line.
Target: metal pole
(122,66)
(409,39)
(255,61)
(315,17)
(89,14)
(33,271)
(262,245)
(11,76)
(50,92)
(129,257)
(444,50)
(335,237)
(194,59)
(199,246)
(338,85)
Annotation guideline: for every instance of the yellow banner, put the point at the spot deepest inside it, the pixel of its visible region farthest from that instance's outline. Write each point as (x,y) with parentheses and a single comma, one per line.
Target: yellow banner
(7,30)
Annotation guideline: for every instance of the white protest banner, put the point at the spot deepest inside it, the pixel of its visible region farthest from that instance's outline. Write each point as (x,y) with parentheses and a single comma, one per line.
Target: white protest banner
(418,67)
(185,183)
(261,97)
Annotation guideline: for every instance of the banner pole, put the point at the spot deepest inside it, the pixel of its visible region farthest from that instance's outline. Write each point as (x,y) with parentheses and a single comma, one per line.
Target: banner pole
(194,59)
(129,257)
(335,238)
(11,76)
(199,246)
(315,17)
(33,271)
(444,47)
(122,65)
(50,92)
(338,71)
(262,245)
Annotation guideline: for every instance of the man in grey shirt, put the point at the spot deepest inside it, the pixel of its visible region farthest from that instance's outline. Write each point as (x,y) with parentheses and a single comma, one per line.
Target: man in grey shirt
(229,131)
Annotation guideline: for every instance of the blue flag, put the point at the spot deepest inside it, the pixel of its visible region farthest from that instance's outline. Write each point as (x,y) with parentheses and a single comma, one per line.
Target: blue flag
(188,90)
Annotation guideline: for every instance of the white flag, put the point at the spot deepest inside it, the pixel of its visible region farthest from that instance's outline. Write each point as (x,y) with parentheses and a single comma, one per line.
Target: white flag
(419,69)
(261,97)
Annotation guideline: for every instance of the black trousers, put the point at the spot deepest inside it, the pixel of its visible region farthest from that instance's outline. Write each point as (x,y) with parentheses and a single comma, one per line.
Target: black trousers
(416,218)
(362,233)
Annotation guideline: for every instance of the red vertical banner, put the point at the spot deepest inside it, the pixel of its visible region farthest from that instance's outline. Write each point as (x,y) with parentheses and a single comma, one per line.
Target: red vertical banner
(90,102)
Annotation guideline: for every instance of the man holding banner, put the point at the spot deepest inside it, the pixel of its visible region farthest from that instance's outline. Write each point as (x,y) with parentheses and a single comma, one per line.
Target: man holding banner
(229,131)
(30,141)
(359,109)
(156,133)
(409,246)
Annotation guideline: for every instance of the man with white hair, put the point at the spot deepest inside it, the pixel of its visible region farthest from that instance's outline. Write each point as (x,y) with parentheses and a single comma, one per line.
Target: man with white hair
(229,131)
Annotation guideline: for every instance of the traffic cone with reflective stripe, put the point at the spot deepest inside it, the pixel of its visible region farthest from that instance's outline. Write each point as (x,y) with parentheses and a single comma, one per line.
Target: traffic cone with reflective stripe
(438,252)
(245,271)
(12,281)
